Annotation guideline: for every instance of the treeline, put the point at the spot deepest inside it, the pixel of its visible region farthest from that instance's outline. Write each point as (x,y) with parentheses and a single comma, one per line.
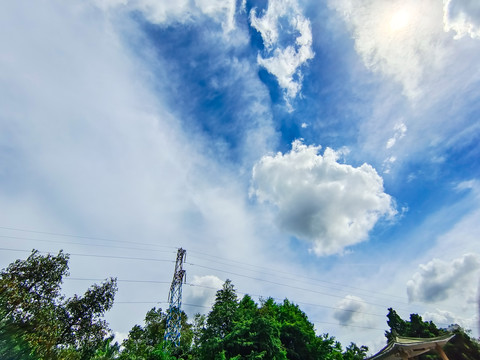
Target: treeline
(239,329)
(38,322)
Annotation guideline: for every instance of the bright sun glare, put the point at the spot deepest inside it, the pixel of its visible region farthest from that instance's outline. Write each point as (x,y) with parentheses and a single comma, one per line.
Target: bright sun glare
(399,20)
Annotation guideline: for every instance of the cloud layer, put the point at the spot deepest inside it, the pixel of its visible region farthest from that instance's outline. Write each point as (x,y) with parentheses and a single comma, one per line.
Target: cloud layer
(333,205)
(438,280)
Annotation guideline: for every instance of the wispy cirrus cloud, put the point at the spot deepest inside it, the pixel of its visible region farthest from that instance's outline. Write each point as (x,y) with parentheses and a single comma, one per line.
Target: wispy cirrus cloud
(400,131)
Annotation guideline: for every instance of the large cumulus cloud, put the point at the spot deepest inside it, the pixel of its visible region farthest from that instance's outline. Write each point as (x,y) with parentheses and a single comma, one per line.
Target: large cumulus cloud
(331,204)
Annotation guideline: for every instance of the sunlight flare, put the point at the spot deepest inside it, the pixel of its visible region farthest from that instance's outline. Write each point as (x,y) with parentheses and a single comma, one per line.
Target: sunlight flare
(399,20)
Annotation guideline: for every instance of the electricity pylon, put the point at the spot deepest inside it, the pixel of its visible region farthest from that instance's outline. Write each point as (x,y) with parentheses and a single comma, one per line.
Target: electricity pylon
(173,326)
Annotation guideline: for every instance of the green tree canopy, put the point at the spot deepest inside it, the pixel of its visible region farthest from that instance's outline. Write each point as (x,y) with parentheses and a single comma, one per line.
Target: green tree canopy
(50,324)
(147,342)
(416,327)
(245,330)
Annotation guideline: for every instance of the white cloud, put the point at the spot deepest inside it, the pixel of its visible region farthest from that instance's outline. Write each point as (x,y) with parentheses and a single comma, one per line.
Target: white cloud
(443,318)
(349,310)
(331,204)
(167,12)
(203,290)
(472,185)
(119,337)
(387,164)
(400,131)
(463,17)
(438,280)
(222,10)
(402,39)
(284,61)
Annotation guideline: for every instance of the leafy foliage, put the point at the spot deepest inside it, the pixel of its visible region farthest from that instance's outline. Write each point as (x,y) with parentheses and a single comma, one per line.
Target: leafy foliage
(37,316)
(416,327)
(245,330)
(147,342)
(108,350)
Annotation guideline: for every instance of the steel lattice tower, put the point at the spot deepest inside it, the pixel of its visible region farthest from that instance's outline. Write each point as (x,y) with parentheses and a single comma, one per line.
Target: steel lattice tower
(173,326)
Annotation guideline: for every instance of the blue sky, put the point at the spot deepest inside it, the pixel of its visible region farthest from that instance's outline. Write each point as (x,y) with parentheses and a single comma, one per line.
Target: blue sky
(327,153)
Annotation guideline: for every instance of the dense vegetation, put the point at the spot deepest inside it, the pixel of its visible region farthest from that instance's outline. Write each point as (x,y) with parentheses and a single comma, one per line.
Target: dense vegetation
(37,322)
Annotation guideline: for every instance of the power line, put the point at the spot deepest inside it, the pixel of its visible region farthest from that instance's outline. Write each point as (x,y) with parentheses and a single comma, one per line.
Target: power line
(289,286)
(118,280)
(349,325)
(215,269)
(276,271)
(369,292)
(324,286)
(163,251)
(198,252)
(84,244)
(301,276)
(213,288)
(295,302)
(84,237)
(97,256)
(238,292)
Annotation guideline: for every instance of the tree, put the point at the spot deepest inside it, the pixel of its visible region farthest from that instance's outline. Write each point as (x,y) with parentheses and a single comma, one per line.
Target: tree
(353,352)
(108,350)
(297,333)
(255,332)
(52,325)
(416,327)
(220,322)
(147,342)
(13,346)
